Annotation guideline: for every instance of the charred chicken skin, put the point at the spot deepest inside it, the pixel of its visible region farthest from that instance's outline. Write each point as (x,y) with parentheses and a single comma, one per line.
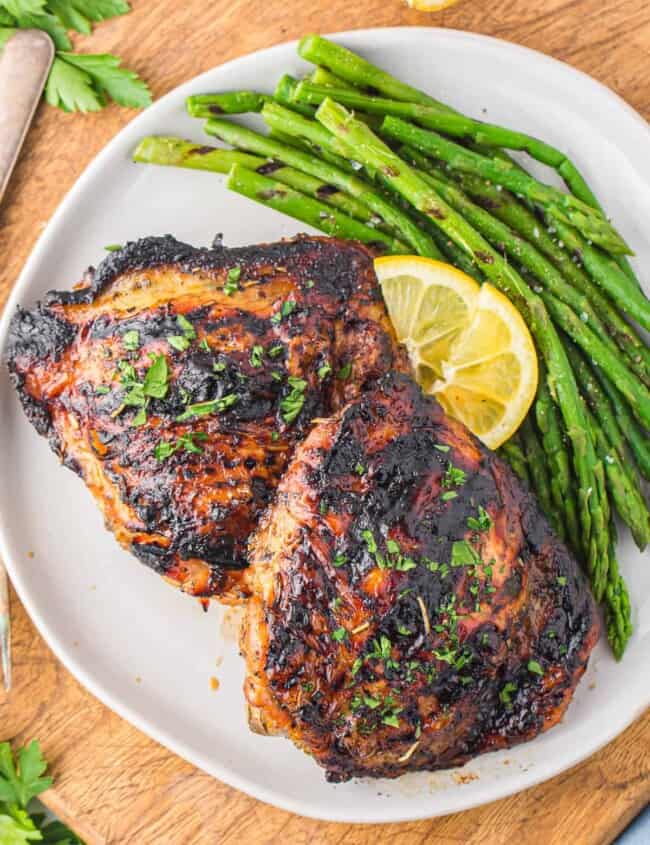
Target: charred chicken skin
(177,381)
(411,607)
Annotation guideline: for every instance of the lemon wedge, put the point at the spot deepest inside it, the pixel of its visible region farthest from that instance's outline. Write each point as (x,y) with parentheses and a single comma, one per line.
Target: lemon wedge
(468,344)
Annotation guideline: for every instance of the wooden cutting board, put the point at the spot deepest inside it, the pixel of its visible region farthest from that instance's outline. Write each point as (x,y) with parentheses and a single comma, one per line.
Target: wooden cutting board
(113,784)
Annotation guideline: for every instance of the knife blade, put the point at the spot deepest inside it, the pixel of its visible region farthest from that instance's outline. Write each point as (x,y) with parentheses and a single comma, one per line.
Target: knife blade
(25,62)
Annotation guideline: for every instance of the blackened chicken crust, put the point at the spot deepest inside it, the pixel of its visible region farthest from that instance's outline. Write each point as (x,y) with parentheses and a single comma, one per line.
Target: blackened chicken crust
(268,336)
(411,606)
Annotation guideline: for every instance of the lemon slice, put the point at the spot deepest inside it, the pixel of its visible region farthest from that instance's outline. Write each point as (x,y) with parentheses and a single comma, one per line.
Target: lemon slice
(467,342)
(430,5)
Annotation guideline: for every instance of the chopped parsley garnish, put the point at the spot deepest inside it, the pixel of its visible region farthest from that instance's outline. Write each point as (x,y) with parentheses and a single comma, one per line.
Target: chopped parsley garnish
(218,367)
(154,386)
(463,554)
(441,447)
(324,371)
(505,696)
(371,702)
(339,559)
(345,371)
(165,449)
(482,523)
(275,436)
(186,327)
(358,663)
(291,405)
(405,632)
(309,283)
(178,341)
(339,634)
(454,476)
(449,495)
(360,469)
(213,406)
(381,648)
(276,376)
(204,345)
(370,541)
(535,668)
(102,389)
(323,509)
(257,354)
(561,579)
(131,340)
(287,308)
(276,350)
(391,720)
(231,285)
(113,247)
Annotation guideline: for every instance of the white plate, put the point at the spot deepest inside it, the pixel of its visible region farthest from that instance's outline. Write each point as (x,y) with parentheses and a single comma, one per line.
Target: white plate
(109,619)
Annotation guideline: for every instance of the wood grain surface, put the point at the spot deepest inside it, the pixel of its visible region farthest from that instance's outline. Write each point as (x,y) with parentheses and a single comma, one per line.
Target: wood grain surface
(112,783)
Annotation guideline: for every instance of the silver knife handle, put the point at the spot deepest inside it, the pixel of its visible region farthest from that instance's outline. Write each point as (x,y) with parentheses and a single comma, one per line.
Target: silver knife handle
(24,64)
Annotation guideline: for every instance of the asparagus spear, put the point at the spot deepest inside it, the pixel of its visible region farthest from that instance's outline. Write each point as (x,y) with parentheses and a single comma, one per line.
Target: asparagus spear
(561,206)
(361,73)
(606,273)
(636,437)
(626,497)
(499,234)
(178,153)
(618,610)
(536,462)
(589,334)
(244,138)
(635,393)
(289,201)
(601,407)
(372,152)
(322,76)
(560,480)
(230,102)
(513,453)
(506,207)
(283,94)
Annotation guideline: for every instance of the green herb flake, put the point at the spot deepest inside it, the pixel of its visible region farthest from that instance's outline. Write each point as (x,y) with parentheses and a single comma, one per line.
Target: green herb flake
(370,541)
(291,405)
(441,447)
(358,663)
(214,406)
(276,350)
(372,703)
(339,634)
(463,554)
(275,436)
(113,247)
(218,367)
(178,341)
(391,720)
(131,340)
(257,354)
(481,523)
(324,371)
(535,668)
(323,509)
(286,309)
(561,580)
(345,371)
(204,345)
(140,418)
(454,476)
(102,389)
(449,495)
(339,559)
(309,284)
(360,469)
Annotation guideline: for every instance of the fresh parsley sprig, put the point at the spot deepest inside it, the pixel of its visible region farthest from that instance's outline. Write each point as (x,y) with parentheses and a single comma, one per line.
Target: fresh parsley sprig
(21,779)
(77,82)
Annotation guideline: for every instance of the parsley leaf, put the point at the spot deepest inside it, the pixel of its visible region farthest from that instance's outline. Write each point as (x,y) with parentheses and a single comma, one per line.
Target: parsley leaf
(178,341)
(257,354)
(78,14)
(155,379)
(463,554)
(535,668)
(109,79)
(291,405)
(16,8)
(213,406)
(339,634)
(70,89)
(19,784)
(344,372)
(131,340)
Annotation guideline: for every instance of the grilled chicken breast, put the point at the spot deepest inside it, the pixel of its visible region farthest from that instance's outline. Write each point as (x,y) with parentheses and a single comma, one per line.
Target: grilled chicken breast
(411,606)
(176,382)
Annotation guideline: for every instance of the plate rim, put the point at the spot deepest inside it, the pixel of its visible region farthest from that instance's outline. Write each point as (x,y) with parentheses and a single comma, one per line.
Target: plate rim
(544,770)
